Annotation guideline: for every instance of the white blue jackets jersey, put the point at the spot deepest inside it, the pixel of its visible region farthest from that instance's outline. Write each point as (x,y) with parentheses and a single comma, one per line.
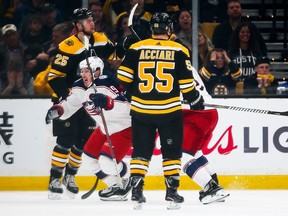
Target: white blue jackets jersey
(117,119)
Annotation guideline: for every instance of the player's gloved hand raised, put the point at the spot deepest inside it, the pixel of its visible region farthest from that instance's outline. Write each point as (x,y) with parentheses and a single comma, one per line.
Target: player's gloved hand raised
(198,103)
(102,101)
(129,40)
(54,112)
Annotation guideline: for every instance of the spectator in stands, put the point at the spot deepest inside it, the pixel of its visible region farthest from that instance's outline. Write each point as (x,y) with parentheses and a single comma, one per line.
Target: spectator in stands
(51,16)
(183,28)
(7,11)
(172,7)
(244,49)
(141,19)
(262,81)
(15,81)
(122,31)
(24,10)
(33,34)
(219,73)
(59,32)
(40,65)
(204,47)
(212,11)
(66,8)
(223,31)
(102,22)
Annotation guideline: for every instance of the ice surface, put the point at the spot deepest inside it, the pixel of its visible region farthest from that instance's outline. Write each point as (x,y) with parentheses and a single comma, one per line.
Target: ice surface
(240,202)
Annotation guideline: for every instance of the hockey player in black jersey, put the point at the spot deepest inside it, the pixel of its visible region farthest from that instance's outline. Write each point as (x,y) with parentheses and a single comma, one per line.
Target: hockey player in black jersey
(155,71)
(71,133)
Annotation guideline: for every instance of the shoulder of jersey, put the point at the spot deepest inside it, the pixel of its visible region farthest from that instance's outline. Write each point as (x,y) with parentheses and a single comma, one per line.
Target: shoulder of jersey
(100,37)
(165,43)
(72,45)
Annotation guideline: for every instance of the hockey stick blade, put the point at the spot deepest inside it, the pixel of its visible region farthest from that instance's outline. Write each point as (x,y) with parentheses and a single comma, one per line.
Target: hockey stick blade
(86,195)
(130,21)
(244,109)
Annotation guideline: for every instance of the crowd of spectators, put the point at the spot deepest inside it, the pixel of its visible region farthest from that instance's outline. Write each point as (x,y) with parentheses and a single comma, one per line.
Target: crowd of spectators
(31,30)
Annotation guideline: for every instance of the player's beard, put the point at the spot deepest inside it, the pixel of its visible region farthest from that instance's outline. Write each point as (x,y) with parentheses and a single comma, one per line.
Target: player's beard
(88,33)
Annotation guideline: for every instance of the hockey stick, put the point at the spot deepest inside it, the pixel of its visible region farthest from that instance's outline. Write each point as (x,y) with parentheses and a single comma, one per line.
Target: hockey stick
(243,109)
(86,195)
(130,21)
(85,40)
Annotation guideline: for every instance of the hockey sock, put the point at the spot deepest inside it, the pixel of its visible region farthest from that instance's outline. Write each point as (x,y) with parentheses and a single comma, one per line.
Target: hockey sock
(204,162)
(197,173)
(59,159)
(139,166)
(171,170)
(75,160)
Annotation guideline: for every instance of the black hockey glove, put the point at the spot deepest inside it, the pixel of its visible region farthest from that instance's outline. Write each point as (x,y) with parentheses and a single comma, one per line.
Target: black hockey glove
(102,101)
(129,40)
(53,113)
(198,103)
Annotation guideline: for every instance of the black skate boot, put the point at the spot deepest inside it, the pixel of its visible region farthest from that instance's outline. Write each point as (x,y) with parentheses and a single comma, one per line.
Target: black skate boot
(137,184)
(171,193)
(55,189)
(212,193)
(215,178)
(115,193)
(70,185)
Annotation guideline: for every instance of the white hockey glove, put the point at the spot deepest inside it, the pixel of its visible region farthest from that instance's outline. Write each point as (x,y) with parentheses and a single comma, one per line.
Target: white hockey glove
(53,113)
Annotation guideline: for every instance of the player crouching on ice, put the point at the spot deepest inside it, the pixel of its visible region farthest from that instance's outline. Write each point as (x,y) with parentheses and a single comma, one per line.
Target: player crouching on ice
(102,94)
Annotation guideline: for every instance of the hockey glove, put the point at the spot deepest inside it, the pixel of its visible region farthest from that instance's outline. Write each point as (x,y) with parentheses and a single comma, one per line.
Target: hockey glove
(53,113)
(198,103)
(128,41)
(102,101)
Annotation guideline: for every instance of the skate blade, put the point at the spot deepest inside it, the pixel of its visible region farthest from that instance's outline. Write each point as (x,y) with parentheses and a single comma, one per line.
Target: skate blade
(119,198)
(54,196)
(173,206)
(69,193)
(139,204)
(218,197)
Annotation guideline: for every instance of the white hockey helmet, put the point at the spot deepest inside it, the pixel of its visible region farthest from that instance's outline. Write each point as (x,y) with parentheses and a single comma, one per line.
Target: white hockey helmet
(95,63)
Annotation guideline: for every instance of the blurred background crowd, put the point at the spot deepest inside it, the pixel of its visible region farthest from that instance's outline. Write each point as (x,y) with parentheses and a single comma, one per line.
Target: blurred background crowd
(236,55)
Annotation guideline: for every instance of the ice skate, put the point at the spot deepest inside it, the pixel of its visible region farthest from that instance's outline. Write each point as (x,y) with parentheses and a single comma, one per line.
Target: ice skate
(212,193)
(215,178)
(115,193)
(55,189)
(70,186)
(174,198)
(137,192)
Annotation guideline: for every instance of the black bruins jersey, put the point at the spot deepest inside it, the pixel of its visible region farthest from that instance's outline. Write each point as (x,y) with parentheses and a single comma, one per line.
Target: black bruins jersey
(69,54)
(155,71)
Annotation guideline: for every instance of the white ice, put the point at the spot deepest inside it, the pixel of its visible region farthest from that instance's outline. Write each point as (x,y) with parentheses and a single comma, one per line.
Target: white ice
(240,202)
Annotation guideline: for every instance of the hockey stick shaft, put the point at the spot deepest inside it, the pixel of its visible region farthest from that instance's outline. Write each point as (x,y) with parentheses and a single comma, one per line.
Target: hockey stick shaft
(85,40)
(86,195)
(245,109)
(130,21)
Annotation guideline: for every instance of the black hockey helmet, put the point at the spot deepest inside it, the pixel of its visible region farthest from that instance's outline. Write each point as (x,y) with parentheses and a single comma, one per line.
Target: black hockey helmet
(80,14)
(160,22)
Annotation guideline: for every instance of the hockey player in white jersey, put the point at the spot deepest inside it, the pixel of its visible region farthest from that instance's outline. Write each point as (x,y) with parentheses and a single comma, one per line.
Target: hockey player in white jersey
(101,93)
(198,128)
